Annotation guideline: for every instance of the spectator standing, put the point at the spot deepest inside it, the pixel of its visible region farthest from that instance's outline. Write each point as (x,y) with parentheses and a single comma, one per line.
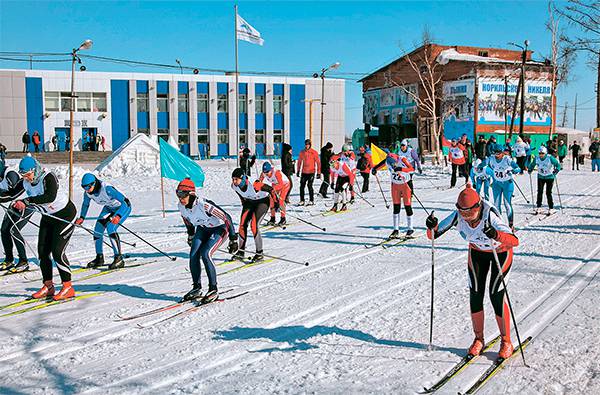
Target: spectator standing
(575,148)
(562,151)
(54,141)
(595,154)
(26,139)
(247,161)
(287,166)
(103,142)
(36,141)
(308,164)
(491,143)
(365,164)
(325,158)
(480,147)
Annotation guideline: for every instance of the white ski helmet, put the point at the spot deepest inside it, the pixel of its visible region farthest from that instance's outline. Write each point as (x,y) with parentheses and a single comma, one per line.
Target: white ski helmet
(543,150)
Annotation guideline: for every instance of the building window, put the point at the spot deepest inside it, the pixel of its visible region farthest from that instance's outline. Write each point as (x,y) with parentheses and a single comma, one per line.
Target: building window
(223,136)
(142,102)
(222,102)
(65,101)
(163,134)
(278,104)
(277,136)
(260,104)
(243,104)
(99,102)
(145,131)
(202,136)
(52,101)
(483,54)
(183,136)
(259,136)
(182,102)
(243,137)
(84,102)
(162,101)
(202,102)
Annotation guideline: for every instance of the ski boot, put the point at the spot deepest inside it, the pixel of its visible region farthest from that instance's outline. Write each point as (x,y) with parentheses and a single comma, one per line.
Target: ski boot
(271,222)
(258,257)
(344,207)
(67,292)
(334,208)
(211,295)
(97,261)
(311,203)
(21,266)
(117,263)
(536,211)
(6,265)
(506,349)
(394,234)
(409,233)
(47,291)
(301,203)
(194,294)
(238,256)
(476,347)
(282,222)
(550,211)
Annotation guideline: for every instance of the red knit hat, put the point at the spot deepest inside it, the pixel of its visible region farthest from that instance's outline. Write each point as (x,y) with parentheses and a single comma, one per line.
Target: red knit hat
(468,197)
(186,185)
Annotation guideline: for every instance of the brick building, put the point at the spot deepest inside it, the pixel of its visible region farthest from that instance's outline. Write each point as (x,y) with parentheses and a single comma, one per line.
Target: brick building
(470,94)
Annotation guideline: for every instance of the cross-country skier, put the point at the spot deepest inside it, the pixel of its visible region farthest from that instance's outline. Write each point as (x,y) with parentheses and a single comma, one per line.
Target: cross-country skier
(409,153)
(548,167)
(281,188)
(255,197)
(342,177)
(503,167)
(207,226)
(348,157)
(43,195)
(481,176)
(480,224)
(115,210)
(400,170)
(13,222)
(456,156)
(520,151)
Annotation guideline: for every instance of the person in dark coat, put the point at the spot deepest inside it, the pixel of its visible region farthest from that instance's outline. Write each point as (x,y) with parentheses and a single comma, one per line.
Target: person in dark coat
(287,166)
(247,161)
(489,145)
(325,157)
(26,139)
(480,147)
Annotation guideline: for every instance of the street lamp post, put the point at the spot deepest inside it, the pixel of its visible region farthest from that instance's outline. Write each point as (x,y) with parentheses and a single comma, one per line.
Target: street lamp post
(87,44)
(322,75)
(180,66)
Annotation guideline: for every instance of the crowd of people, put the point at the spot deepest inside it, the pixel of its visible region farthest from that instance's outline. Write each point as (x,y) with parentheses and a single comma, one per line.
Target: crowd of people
(89,142)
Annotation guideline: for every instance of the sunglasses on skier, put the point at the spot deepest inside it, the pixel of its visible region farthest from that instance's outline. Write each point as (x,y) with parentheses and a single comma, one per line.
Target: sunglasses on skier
(468,209)
(87,187)
(182,194)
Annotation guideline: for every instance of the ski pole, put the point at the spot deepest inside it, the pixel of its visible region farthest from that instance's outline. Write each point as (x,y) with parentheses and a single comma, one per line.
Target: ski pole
(273,257)
(382,194)
(522,194)
(307,222)
(93,232)
(22,240)
(360,194)
(558,191)
(144,240)
(531,187)
(512,314)
(415,196)
(430,347)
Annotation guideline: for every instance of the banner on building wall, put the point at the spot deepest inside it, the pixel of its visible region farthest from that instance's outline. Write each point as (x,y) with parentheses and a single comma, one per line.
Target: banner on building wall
(458,101)
(493,107)
(392,105)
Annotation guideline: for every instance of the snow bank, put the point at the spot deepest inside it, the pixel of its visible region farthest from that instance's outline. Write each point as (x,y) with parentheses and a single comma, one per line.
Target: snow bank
(452,54)
(139,156)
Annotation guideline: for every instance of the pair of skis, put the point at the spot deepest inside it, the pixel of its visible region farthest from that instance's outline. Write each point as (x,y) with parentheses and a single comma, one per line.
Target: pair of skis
(469,359)
(174,306)
(391,242)
(43,303)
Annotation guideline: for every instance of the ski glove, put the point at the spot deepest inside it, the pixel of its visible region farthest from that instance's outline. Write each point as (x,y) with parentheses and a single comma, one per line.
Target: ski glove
(190,238)
(115,219)
(233,247)
(374,171)
(19,205)
(490,231)
(79,221)
(431,222)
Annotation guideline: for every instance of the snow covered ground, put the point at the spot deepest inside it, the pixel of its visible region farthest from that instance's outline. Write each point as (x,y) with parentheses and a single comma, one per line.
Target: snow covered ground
(355,321)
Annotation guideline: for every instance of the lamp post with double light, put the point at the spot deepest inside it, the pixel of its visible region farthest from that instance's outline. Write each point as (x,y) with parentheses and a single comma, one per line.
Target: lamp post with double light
(87,44)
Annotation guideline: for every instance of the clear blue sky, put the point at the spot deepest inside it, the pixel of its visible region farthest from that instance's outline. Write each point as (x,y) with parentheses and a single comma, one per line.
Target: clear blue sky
(299,36)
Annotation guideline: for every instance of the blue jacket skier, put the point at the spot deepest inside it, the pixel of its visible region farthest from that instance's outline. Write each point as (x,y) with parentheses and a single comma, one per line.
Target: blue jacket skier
(481,175)
(548,167)
(503,167)
(115,210)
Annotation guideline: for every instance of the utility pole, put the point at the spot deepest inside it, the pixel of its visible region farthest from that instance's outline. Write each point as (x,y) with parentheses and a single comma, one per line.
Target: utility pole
(564,117)
(575,113)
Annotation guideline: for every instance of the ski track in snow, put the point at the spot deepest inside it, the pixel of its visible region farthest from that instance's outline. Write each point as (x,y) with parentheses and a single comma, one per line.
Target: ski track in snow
(326,328)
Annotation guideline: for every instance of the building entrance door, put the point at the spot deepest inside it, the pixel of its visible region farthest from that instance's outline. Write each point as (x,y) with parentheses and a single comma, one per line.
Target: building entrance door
(88,139)
(61,138)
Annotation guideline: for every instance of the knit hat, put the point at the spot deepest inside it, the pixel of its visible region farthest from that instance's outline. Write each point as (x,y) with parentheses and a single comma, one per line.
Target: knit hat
(237,173)
(467,198)
(186,185)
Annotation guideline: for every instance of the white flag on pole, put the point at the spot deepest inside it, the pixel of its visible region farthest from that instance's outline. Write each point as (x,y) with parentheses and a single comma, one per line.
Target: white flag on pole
(247,33)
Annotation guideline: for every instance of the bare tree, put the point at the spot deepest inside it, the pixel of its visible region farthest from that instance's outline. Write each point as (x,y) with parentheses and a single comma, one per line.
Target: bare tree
(584,15)
(429,89)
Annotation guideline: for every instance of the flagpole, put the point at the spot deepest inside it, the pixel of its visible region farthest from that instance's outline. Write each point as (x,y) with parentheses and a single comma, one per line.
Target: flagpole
(237,86)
